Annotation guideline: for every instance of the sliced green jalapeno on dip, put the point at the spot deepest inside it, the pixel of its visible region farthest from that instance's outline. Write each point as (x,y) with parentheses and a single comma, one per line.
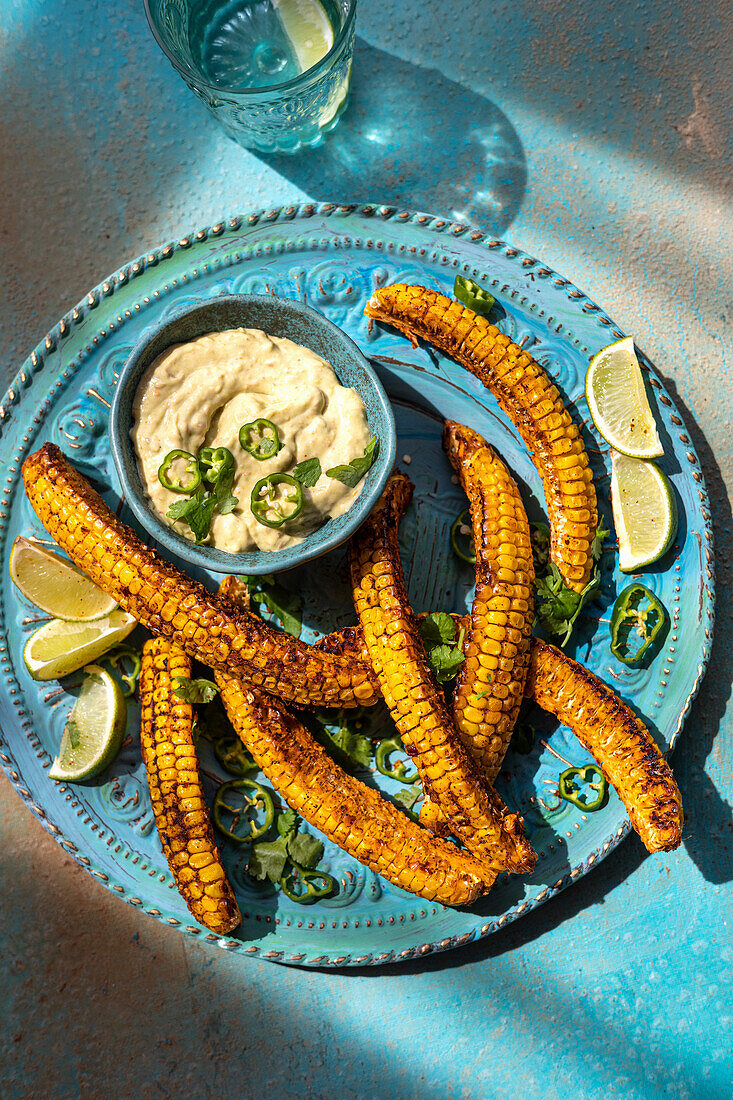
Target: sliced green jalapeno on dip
(186,464)
(260,438)
(276,499)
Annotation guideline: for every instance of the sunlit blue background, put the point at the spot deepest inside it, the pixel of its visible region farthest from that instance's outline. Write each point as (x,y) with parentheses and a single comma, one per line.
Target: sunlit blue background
(598,137)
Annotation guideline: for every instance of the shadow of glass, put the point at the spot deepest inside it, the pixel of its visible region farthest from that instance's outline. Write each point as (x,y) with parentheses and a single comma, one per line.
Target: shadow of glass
(411,137)
(708,815)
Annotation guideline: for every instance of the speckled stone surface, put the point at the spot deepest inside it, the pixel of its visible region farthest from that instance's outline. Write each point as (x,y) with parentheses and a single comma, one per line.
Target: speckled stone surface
(598,140)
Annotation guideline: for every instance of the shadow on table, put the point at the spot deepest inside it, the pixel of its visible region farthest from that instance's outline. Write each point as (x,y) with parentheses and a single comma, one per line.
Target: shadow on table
(708,832)
(411,137)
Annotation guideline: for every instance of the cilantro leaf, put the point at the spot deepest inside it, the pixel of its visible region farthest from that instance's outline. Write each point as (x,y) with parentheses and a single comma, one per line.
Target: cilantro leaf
(197,511)
(445,662)
(305,850)
(348,747)
(407,797)
(560,606)
(436,631)
(352,474)
(194,691)
(284,605)
(223,486)
(602,533)
(287,822)
(438,626)
(472,295)
(308,472)
(267,859)
(72,728)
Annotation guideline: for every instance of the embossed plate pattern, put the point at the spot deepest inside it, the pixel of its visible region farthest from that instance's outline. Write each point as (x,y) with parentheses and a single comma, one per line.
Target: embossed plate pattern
(333,257)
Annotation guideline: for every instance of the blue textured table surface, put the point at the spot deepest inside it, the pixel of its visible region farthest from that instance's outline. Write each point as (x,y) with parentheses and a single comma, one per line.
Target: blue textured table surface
(599,141)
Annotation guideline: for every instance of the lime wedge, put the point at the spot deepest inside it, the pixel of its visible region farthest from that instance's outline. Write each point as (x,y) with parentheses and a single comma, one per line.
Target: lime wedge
(644,511)
(55,585)
(614,389)
(308,28)
(61,647)
(94,729)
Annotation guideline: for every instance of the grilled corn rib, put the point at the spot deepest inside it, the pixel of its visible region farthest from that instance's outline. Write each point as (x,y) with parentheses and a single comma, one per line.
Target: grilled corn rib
(172,605)
(450,777)
(180,811)
(604,724)
(529,399)
(490,683)
(618,741)
(349,813)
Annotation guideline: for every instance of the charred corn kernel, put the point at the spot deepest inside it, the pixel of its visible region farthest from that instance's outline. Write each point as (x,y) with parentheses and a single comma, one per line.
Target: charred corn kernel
(526,395)
(183,822)
(215,633)
(477,815)
(617,740)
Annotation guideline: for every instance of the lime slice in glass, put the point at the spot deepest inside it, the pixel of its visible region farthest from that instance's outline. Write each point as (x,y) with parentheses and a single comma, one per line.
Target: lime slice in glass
(61,647)
(307,26)
(94,729)
(644,511)
(614,389)
(55,585)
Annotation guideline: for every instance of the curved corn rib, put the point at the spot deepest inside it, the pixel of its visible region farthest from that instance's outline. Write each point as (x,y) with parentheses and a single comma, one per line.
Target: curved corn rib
(175,789)
(349,813)
(529,399)
(604,724)
(172,605)
(477,815)
(490,683)
(618,741)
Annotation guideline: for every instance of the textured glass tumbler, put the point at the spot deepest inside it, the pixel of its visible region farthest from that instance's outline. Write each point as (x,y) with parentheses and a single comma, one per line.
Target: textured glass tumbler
(275,118)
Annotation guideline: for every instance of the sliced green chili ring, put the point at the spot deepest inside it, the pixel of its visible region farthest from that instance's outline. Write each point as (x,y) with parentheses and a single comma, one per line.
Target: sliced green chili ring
(177,485)
(262,800)
(311,892)
(232,755)
(260,438)
(461,542)
(261,504)
(397,771)
(571,792)
(129,679)
(637,613)
(214,461)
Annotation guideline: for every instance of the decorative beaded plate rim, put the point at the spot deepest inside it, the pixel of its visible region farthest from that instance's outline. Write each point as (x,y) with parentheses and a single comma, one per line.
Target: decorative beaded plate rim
(124,276)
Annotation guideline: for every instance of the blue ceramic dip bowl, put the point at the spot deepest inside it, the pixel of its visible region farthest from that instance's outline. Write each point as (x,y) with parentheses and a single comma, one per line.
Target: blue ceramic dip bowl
(278,317)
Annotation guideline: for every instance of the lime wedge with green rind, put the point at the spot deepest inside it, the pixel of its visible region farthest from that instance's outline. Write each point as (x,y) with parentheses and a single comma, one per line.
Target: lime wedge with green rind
(60,647)
(618,402)
(55,585)
(94,730)
(644,511)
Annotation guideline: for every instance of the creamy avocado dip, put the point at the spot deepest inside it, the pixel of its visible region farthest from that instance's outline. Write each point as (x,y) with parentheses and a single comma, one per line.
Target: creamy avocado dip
(199,394)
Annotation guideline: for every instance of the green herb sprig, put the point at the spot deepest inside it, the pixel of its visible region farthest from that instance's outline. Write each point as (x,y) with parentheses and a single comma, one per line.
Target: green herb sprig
(268,858)
(352,474)
(438,631)
(308,472)
(194,691)
(284,605)
(560,606)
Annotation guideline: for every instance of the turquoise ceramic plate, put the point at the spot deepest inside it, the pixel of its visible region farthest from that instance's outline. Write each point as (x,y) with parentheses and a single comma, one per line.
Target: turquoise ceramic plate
(333,257)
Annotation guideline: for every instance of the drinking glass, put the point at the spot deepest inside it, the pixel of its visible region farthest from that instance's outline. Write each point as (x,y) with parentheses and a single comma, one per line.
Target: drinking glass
(248,62)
